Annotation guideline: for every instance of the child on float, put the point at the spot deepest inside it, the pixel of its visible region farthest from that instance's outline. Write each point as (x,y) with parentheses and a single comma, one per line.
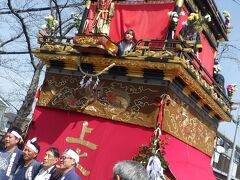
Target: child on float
(127,43)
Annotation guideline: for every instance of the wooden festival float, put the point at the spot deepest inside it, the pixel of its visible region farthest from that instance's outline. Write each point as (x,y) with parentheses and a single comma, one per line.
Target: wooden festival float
(106,107)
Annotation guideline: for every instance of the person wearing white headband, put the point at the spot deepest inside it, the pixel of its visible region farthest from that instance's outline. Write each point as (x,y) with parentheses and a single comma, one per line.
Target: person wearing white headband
(11,155)
(68,161)
(29,168)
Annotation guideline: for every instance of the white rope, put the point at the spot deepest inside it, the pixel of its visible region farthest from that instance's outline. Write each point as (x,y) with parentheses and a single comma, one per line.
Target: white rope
(84,83)
(94,75)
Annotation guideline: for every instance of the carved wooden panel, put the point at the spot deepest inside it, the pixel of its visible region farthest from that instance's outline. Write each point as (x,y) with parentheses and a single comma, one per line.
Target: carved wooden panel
(115,100)
(182,122)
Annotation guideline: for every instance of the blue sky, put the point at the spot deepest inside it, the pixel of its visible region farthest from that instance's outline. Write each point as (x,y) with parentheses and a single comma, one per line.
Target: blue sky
(230,68)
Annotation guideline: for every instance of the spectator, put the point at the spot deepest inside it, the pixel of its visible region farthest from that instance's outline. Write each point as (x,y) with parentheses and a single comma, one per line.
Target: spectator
(129,170)
(11,155)
(29,167)
(68,161)
(48,169)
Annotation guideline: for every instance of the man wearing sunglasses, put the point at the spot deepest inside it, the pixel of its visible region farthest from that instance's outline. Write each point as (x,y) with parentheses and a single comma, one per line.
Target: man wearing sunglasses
(68,161)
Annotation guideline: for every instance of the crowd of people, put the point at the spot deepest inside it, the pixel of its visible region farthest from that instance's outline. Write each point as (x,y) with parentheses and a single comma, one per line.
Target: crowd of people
(17,164)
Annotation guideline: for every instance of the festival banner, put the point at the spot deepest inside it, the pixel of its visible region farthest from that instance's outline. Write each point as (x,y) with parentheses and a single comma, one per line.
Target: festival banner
(100,142)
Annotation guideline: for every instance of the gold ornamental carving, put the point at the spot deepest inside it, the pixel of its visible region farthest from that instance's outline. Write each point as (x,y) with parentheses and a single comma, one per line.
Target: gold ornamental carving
(84,40)
(182,122)
(119,101)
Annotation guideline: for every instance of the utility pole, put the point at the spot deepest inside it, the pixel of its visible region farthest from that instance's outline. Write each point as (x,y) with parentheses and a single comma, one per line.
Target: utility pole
(237,122)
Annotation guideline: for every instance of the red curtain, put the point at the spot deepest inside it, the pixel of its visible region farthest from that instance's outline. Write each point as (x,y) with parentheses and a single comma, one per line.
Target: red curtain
(115,141)
(186,162)
(149,21)
(207,55)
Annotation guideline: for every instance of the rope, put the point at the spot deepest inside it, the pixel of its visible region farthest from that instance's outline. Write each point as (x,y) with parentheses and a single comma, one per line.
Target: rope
(94,75)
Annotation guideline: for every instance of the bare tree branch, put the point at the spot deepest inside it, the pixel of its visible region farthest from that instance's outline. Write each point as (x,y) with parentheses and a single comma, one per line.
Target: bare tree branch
(24,28)
(224,49)
(236,2)
(13,52)
(58,15)
(11,40)
(234,47)
(42,9)
(9,103)
(68,29)
(14,80)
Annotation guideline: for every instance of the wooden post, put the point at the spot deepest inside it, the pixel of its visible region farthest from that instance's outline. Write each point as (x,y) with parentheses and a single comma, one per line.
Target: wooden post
(84,17)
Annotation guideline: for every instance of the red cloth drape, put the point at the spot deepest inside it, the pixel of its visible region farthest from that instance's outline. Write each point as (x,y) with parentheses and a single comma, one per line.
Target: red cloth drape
(149,21)
(186,162)
(115,141)
(207,55)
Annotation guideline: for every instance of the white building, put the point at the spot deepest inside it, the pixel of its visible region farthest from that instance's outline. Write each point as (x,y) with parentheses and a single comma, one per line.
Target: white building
(221,161)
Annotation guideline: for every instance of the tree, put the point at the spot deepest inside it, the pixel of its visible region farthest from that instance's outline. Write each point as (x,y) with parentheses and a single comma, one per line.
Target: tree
(23,18)
(228,51)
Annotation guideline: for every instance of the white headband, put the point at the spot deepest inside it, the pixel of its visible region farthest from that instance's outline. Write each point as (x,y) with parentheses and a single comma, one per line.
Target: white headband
(72,154)
(31,146)
(17,135)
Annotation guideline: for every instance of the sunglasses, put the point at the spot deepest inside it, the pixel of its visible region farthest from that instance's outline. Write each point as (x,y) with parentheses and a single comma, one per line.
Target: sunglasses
(64,157)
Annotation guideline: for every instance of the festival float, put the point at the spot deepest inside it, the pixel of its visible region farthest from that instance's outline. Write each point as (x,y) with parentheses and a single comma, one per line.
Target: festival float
(159,98)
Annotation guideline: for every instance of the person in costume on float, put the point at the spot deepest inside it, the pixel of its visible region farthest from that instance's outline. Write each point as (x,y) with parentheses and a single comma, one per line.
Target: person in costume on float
(192,35)
(219,78)
(102,18)
(48,168)
(29,167)
(127,43)
(68,161)
(11,155)
(129,170)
